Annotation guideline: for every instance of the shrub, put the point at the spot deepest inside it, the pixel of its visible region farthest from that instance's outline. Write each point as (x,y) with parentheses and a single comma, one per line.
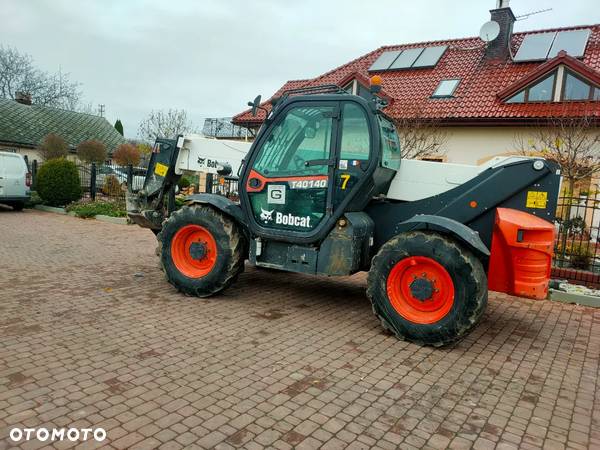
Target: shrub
(58,182)
(184,182)
(112,186)
(35,199)
(88,209)
(127,154)
(53,147)
(91,151)
(580,256)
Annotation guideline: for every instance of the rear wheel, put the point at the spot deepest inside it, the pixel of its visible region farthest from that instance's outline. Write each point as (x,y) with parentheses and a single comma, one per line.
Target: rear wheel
(427,288)
(201,250)
(18,206)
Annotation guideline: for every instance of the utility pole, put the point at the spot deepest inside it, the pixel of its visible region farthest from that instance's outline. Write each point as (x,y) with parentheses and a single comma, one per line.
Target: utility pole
(101,108)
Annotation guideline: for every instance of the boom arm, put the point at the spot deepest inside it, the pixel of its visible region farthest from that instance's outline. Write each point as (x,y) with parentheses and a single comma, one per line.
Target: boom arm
(170,158)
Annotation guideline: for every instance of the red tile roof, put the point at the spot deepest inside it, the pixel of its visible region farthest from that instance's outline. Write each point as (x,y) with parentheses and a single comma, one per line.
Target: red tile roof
(476,98)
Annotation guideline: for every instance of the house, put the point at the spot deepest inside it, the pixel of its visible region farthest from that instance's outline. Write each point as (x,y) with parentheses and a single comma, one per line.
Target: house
(485,97)
(23,127)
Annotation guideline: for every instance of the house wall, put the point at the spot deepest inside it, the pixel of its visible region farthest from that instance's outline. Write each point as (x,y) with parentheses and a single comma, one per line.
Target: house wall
(32,154)
(476,145)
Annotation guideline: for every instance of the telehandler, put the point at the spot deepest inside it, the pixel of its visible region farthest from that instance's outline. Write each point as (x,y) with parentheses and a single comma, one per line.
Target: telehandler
(323,191)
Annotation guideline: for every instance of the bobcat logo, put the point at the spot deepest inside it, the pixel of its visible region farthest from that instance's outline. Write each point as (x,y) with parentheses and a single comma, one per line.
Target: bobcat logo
(265,215)
(201,161)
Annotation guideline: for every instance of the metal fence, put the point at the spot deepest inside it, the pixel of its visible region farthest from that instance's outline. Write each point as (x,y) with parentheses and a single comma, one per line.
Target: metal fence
(577,247)
(226,186)
(104,181)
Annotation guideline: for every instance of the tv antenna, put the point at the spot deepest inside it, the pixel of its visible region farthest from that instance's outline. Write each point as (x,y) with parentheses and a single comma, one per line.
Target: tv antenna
(101,108)
(533,13)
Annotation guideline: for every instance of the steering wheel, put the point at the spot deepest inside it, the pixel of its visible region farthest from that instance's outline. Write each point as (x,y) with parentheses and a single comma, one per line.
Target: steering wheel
(299,162)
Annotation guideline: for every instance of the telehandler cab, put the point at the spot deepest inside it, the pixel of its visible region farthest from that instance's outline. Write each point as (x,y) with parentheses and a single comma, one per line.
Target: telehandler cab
(323,191)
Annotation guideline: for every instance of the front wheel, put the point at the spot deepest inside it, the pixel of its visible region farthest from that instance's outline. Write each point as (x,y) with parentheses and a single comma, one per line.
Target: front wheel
(427,288)
(201,250)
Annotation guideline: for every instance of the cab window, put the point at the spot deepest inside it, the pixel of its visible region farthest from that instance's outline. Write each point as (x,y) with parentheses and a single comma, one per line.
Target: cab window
(303,135)
(390,144)
(355,133)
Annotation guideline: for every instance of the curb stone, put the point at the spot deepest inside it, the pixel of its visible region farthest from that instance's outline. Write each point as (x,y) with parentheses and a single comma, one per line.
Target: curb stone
(110,219)
(100,217)
(50,209)
(569,297)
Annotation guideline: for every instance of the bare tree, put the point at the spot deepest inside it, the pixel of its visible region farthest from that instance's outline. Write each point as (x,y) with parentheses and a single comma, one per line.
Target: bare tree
(18,73)
(127,154)
(573,142)
(166,124)
(53,146)
(92,151)
(420,137)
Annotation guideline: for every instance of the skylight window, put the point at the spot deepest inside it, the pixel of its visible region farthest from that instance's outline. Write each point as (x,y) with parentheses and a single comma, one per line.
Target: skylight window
(446,88)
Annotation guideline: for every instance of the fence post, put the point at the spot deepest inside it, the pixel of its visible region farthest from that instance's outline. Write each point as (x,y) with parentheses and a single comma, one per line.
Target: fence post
(130,178)
(93,182)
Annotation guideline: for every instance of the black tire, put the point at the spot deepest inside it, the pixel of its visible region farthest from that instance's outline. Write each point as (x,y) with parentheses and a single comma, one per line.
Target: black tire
(230,246)
(464,269)
(18,206)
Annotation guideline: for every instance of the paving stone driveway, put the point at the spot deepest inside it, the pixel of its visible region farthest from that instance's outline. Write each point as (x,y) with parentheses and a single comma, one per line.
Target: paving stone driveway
(92,336)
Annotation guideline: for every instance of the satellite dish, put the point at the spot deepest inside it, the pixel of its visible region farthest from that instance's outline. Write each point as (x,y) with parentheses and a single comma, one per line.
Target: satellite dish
(489,31)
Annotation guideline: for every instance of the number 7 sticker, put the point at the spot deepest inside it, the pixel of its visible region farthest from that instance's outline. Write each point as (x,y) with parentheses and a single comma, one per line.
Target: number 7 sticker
(345,178)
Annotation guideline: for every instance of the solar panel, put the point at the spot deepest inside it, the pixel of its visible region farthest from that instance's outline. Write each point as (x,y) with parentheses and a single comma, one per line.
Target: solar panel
(385,60)
(573,42)
(535,47)
(406,58)
(430,56)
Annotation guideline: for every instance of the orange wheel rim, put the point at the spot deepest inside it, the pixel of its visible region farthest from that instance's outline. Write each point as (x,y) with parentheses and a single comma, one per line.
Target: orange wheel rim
(194,251)
(420,289)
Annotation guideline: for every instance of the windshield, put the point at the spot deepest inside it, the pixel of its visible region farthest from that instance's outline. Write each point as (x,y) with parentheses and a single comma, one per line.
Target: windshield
(390,144)
(303,135)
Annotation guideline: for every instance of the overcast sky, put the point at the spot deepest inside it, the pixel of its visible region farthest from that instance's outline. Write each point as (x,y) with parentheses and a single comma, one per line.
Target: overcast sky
(210,57)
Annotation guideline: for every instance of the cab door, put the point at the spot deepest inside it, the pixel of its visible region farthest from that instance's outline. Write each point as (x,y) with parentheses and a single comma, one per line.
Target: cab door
(354,159)
(288,180)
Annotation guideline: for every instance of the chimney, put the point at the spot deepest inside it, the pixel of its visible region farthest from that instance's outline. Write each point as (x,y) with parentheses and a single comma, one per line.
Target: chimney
(503,15)
(23,97)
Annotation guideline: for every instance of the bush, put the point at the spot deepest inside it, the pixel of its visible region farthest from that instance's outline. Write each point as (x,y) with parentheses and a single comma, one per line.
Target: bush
(35,199)
(112,186)
(88,209)
(91,151)
(58,182)
(580,256)
(127,154)
(184,182)
(53,147)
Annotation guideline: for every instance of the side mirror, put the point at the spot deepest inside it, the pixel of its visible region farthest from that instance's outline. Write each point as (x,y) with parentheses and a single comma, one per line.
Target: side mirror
(255,104)
(224,169)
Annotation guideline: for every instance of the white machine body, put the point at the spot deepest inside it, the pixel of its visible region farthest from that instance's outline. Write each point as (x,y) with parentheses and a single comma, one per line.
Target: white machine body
(202,154)
(417,179)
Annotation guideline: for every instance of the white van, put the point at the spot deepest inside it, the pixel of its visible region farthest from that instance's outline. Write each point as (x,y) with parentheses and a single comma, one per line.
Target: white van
(15,180)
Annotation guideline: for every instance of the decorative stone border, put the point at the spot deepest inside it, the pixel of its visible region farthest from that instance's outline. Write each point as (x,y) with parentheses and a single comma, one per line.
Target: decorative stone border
(100,217)
(569,297)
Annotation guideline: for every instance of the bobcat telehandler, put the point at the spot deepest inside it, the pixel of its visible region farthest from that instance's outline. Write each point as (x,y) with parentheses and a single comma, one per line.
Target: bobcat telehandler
(323,191)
